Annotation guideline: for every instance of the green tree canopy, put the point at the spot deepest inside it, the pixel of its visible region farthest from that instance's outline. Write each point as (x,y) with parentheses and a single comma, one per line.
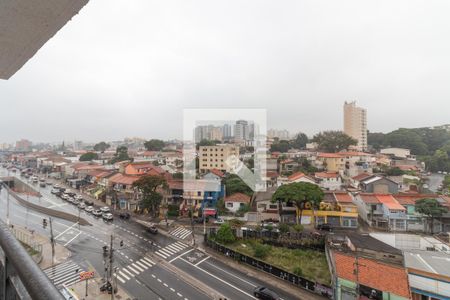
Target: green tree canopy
(234,184)
(300,141)
(280,146)
(298,193)
(205,142)
(431,208)
(154,145)
(102,146)
(120,155)
(333,141)
(225,234)
(88,156)
(148,186)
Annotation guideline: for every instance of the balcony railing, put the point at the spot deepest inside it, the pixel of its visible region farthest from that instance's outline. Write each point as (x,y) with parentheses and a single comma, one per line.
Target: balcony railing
(20,276)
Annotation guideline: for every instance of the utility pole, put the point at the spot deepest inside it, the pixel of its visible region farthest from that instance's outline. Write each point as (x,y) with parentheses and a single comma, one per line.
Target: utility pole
(111,253)
(52,242)
(192,223)
(7,207)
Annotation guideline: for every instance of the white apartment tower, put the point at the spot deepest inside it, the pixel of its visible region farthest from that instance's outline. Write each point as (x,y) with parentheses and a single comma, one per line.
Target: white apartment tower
(355,124)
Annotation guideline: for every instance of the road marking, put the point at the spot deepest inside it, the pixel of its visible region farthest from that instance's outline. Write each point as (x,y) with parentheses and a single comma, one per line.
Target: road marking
(165,284)
(153,275)
(172,290)
(181,255)
(142,265)
(149,260)
(123,275)
(212,275)
(137,272)
(249,283)
(131,274)
(146,263)
(162,255)
(202,261)
(137,267)
(159,280)
(118,277)
(65,230)
(72,239)
(179,295)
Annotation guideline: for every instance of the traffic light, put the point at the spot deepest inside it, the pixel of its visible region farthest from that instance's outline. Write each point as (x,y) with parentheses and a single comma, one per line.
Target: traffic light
(121,243)
(44,223)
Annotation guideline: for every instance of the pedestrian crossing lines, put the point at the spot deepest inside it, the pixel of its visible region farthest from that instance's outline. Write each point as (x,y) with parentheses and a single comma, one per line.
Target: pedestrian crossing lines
(66,273)
(134,269)
(181,232)
(171,249)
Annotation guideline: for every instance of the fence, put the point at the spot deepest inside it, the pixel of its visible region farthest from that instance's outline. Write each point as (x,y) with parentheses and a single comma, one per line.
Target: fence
(298,281)
(29,240)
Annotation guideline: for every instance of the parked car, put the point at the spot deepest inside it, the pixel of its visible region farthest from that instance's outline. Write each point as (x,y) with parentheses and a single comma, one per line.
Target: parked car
(107,216)
(262,292)
(75,201)
(82,205)
(89,209)
(79,197)
(89,203)
(124,215)
(55,191)
(105,209)
(324,227)
(219,221)
(97,213)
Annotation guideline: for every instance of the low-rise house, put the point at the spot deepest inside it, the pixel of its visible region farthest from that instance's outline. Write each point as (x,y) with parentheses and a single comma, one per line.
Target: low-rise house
(378,184)
(364,268)
(124,195)
(382,211)
(236,201)
(287,166)
(144,168)
(355,181)
(296,177)
(330,181)
(331,162)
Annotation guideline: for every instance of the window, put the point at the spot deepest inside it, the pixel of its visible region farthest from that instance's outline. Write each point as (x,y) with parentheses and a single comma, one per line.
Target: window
(229,204)
(273,206)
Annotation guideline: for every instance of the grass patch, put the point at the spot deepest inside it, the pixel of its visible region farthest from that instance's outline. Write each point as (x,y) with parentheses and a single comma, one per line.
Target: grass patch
(309,264)
(30,250)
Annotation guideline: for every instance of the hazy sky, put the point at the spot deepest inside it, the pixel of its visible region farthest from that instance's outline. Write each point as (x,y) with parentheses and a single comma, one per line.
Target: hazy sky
(128,68)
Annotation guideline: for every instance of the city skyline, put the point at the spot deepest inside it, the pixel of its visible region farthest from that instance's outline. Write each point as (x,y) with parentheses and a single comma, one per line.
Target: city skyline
(163,59)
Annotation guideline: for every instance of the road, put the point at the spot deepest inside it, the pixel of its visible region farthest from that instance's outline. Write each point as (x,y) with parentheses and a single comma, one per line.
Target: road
(434,180)
(148,266)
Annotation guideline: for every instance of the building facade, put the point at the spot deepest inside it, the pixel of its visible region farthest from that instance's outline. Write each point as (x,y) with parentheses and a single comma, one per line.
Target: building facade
(355,124)
(216,157)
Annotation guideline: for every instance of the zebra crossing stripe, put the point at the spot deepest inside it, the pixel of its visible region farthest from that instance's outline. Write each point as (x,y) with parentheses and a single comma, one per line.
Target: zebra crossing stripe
(125,270)
(160,254)
(123,275)
(142,265)
(129,267)
(118,277)
(146,263)
(137,267)
(166,252)
(59,272)
(149,260)
(183,236)
(173,248)
(178,230)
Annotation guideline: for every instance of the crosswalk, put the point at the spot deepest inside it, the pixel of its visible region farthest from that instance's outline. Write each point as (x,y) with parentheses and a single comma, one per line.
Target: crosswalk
(134,269)
(67,273)
(181,232)
(171,249)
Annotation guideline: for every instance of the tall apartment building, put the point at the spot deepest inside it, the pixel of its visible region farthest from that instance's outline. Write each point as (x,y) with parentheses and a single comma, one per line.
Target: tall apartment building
(226,131)
(280,134)
(215,157)
(208,132)
(23,145)
(355,124)
(241,130)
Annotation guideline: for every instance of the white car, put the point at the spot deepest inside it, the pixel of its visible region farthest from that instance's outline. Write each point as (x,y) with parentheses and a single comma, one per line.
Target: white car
(82,205)
(219,221)
(89,209)
(107,216)
(105,209)
(79,197)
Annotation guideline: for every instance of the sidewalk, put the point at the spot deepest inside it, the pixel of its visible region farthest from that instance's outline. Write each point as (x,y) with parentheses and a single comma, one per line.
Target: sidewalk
(93,291)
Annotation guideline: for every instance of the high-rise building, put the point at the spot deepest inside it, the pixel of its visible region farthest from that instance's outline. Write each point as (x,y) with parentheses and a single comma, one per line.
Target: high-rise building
(216,157)
(355,124)
(280,134)
(226,131)
(23,145)
(241,130)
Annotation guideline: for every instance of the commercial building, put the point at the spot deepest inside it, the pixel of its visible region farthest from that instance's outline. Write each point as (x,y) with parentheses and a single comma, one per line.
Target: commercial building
(355,124)
(216,157)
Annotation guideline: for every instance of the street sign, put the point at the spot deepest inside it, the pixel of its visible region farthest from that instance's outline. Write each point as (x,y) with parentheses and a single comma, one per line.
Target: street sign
(86,275)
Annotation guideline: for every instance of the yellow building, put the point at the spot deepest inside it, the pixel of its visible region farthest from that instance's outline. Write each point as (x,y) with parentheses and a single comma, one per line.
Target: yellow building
(332,162)
(337,209)
(216,157)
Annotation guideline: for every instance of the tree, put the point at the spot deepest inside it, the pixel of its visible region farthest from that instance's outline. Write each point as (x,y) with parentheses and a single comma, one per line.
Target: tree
(333,141)
(395,171)
(431,208)
(376,140)
(149,185)
(88,156)
(300,141)
(102,146)
(280,146)
(120,155)
(154,145)
(206,142)
(234,184)
(177,175)
(225,234)
(299,193)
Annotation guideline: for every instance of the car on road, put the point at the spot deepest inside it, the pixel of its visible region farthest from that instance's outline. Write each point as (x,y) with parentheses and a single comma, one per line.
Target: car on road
(124,216)
(89,203)
(261,292)
(79,197)
(75,201)
(219,221)
(105,209)
(152,229)
(55,191)
(107,216)
(65,197)
(97,212)
(81,205)
(89,209)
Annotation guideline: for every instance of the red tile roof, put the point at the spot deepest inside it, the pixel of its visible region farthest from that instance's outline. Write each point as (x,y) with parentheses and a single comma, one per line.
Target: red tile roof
(390,202)
(272,174)
(326,175)
(354,153)
(343,197)
(296,176)
(362,176)
(330,155)
(373,274)
(123,179)
(369,198)
(238,197)
(217,172)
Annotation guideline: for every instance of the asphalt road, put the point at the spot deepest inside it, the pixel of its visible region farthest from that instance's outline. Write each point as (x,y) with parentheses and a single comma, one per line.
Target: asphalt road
(142,260)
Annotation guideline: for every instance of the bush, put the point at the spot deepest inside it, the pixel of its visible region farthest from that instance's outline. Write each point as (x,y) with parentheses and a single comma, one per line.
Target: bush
(298,271)
(298,227)
(261,251)
(225,234)
(284,228)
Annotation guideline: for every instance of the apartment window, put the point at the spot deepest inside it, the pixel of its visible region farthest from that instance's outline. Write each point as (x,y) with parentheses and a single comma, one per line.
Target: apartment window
(273,206)
(229,204)
(221,149)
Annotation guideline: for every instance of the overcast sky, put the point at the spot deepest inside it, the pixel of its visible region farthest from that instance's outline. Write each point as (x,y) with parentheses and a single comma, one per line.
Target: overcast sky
(129,68)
